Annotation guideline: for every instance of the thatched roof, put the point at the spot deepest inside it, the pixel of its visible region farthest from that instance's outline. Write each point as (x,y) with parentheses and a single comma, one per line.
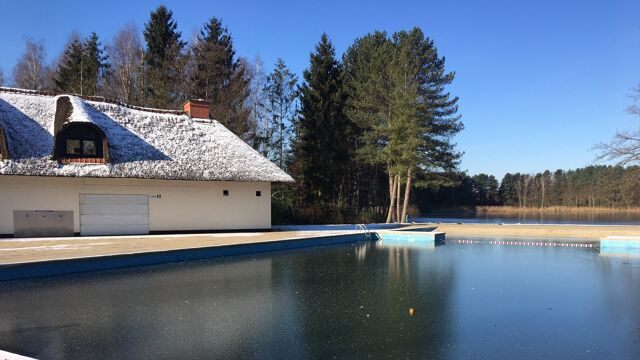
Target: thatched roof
(143,143)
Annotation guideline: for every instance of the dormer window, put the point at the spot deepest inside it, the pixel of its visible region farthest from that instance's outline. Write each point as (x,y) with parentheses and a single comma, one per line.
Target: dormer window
(80,142)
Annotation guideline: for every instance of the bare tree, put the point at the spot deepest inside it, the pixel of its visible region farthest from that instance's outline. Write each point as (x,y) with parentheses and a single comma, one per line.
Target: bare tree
(623,148)
(280,105)
(256,103)
(126,54)
(1,77)
(30,71)
(625,145)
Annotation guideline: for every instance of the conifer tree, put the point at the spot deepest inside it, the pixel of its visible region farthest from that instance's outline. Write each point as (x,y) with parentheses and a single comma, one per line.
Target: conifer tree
(321,150)
(214,61)
(71,70)
(163,58)
(403,115)
(95,64)
(366,65)
(424,114)
(82,66)
(221,79)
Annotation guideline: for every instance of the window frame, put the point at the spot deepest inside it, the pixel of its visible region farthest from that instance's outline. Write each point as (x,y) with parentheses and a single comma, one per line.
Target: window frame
(84,133)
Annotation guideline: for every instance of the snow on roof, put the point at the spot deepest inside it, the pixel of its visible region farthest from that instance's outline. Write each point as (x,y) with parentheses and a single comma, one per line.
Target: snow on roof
(143,143)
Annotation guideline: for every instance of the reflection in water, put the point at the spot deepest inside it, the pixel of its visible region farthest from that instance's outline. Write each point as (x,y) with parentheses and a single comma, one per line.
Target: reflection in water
(471,301)
(361,309)
(620,252)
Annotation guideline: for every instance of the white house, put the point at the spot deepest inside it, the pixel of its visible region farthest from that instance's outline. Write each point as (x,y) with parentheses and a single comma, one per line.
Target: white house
(97,167)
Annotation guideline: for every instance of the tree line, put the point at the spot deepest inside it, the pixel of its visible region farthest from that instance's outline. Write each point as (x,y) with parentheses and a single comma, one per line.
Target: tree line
(591,186)
(358,131)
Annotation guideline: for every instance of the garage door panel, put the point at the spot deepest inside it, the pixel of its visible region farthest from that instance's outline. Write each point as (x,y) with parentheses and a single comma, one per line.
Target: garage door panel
(115,219)
(104,214)
(98,229)
(114,209)
(86,199)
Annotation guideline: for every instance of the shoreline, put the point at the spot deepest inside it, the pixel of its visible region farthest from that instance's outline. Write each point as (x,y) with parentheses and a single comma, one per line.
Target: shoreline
(554,210)
(587,232)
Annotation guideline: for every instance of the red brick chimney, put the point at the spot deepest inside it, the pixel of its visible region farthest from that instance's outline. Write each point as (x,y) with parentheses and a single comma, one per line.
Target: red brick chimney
(198,109)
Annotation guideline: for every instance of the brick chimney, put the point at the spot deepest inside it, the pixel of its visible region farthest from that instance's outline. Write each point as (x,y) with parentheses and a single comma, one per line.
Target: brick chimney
(198,109)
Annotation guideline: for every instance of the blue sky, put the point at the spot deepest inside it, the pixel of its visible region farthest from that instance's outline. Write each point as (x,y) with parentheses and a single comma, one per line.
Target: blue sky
(540,82)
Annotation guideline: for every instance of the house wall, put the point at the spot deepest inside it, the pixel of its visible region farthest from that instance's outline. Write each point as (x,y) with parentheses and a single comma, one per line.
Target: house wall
(180,206)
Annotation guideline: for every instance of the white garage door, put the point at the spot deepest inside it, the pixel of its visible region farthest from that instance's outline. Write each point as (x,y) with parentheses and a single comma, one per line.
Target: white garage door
(114,214)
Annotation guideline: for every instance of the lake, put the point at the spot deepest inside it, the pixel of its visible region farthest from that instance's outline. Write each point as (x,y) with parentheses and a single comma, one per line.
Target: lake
(470,301)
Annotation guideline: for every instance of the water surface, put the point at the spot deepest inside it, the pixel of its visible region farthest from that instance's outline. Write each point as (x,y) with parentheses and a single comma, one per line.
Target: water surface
(470,301)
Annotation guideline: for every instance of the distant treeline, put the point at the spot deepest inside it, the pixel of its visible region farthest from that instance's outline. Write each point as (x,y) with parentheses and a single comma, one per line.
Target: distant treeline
(592,186)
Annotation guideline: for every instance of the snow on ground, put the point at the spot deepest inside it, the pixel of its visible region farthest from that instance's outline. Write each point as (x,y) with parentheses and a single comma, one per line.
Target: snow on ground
(142,144)
(336,227)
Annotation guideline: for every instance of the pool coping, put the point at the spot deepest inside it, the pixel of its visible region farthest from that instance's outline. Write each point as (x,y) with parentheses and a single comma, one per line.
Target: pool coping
(83,264)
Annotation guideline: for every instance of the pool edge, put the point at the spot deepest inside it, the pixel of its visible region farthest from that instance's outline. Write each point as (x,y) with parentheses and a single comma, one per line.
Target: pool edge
(50,268)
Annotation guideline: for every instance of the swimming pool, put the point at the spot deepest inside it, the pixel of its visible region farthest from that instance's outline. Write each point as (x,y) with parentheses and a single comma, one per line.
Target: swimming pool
(469,301)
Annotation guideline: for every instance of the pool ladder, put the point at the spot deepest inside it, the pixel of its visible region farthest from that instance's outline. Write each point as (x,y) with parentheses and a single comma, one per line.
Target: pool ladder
(363,228)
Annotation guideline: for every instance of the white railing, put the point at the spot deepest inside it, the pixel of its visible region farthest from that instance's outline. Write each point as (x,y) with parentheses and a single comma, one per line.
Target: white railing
(363,228)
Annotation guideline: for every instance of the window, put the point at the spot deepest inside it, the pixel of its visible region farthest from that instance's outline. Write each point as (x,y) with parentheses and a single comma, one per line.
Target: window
(80,142)
(258,193)
(73,147)
(225,192)
(88,147)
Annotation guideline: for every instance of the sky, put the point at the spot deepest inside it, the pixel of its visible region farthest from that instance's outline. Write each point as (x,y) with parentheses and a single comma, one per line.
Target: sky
(540,82)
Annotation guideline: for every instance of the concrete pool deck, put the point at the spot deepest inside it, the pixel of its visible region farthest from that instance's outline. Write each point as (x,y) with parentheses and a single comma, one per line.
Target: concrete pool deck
(28,250)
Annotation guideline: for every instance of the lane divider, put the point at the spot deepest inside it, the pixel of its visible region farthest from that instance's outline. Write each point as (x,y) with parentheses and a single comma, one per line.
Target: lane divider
(525,243)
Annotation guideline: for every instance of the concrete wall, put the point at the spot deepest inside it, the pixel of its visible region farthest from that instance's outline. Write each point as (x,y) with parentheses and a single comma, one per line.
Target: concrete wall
(173,205)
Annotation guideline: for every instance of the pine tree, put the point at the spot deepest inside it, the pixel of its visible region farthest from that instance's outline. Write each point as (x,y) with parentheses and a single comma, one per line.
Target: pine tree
(403,115)
(427,141)
(71,70)
(366,65)
(221,79)
(95,64)
(82,66)
(214,61)
(162,59)
(321,150)
(230,106)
